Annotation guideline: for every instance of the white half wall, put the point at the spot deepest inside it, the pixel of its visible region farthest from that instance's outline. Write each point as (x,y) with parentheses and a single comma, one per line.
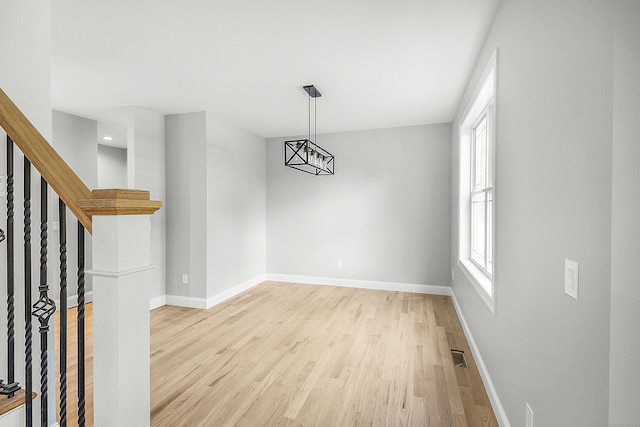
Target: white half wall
(385,213)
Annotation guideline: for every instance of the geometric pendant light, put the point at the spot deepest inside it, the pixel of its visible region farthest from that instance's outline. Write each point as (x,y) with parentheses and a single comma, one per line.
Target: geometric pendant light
(304,154)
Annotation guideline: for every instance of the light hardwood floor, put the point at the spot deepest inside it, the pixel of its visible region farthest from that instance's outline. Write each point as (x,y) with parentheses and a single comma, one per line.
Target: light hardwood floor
(72,366)
(286,354)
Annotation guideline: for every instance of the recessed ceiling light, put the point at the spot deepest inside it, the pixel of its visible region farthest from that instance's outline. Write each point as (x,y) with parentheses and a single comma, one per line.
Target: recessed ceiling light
(107,138)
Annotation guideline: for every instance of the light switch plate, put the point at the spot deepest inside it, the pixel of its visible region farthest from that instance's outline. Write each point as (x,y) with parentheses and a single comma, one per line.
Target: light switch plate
(571,278)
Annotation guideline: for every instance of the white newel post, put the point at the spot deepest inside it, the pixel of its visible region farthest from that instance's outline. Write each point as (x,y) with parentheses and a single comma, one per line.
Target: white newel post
(121,275)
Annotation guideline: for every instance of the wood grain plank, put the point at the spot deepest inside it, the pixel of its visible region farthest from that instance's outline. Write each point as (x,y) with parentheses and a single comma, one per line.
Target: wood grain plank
(119,202)
(9,404)
(287,354)
(72,365)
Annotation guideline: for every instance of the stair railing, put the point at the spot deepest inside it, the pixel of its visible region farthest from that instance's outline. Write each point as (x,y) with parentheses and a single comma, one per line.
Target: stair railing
(74,195)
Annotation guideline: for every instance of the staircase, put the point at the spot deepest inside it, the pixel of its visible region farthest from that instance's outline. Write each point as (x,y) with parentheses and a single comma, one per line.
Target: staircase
(118,221)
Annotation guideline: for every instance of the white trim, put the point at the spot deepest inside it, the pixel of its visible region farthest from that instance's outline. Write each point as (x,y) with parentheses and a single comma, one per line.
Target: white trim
(72,300)
(116,274)
(156,302)
(203,303)
(480,282)
(483,101)
(498,409)
(362,284)
(189,302)
(238,289)
(477,93)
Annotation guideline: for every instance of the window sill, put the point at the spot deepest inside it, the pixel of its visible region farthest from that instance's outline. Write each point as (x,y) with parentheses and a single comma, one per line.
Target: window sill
(479,281)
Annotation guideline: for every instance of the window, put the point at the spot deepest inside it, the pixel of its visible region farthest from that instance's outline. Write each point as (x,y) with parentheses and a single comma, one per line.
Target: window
(481,198)
(477,194)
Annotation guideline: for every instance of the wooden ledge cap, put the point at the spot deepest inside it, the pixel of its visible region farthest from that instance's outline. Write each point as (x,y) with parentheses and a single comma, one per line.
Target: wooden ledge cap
(9,404)
(119,202)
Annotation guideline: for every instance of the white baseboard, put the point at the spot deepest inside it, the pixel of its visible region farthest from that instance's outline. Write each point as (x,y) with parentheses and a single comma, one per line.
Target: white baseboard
(362,284)
(498,409)
(157,302)
(72,301)
(202,303)
(189,302)
(205,303)
(225,295)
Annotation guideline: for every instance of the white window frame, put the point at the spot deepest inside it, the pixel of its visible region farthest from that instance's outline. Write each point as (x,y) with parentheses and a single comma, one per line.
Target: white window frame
(482,104)
(487,190)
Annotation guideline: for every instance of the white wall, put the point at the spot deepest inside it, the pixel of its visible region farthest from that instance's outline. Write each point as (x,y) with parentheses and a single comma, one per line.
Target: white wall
(215,207)
(624,381)
(146,171)
(553,195)
(76,141)
(25,43)
(385,213)
(25,76)
(186,187)
(236,205)
(112,167)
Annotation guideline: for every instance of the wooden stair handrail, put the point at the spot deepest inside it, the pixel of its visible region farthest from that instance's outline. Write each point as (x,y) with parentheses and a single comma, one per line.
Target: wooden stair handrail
(62,179)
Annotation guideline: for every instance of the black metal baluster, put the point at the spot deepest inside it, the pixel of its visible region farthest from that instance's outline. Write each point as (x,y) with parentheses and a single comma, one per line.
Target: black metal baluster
(80,327)
(11,386)
(62,218)
(44,308)
(28,345)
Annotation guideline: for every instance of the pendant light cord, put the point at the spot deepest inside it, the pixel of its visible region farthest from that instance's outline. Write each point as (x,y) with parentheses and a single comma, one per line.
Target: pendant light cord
(309,133)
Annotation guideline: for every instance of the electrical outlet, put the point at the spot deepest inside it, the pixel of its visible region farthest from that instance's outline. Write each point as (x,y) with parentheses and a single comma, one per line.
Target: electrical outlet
(529,416)
(571,278)
(185,279)
(453,274)
(339,263)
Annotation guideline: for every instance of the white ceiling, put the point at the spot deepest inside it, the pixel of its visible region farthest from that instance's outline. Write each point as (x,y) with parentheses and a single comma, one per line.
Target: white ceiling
(377,63)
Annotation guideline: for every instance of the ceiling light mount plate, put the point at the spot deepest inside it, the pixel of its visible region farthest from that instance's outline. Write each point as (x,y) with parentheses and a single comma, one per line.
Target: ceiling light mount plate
(312,91)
